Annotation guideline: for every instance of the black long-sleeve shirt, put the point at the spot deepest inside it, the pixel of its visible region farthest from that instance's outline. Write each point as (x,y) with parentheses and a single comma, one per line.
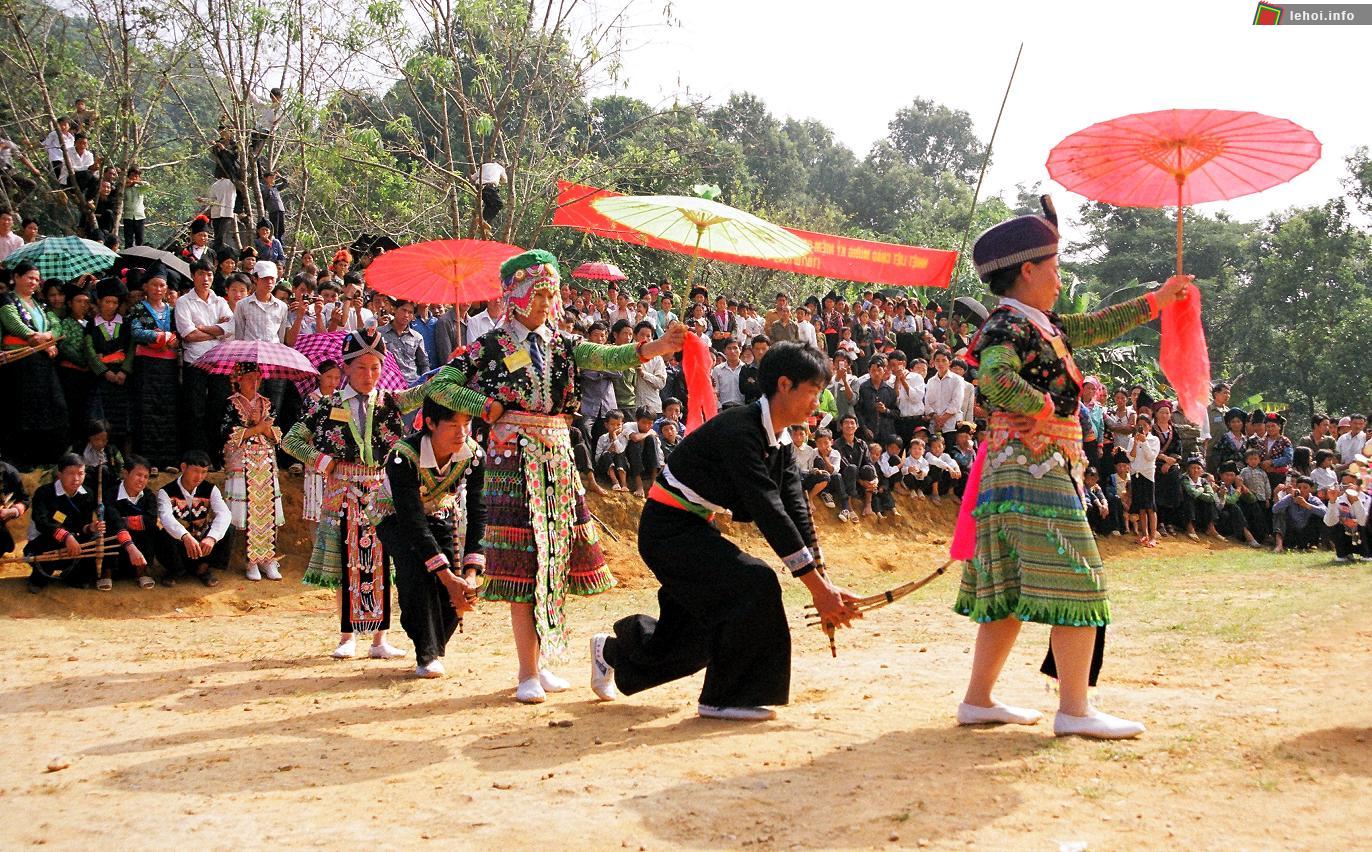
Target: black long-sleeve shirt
(735,462)
(58,515)
(11,491)
(419,494)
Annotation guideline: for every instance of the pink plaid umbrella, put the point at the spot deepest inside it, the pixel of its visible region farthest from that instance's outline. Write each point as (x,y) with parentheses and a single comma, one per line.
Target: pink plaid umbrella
(275,360)
(328,346)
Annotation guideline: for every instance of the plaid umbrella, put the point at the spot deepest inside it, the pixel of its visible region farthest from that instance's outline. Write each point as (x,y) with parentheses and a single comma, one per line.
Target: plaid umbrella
(64,258)
(328,346)
(275,360)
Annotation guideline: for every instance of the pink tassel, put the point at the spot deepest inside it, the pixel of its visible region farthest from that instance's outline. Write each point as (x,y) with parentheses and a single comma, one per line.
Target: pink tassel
(964,545)
(1183,355)
(700,394)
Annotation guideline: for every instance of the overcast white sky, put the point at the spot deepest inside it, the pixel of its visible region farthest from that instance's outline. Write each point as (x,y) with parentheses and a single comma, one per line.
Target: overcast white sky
(853,64)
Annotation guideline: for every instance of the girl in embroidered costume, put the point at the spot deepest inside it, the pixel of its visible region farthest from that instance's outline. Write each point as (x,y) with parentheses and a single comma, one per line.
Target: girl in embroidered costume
(110,344)
(521,379)
(1036,559)
(330,378)
(345,437)
(157,374)
(253,491)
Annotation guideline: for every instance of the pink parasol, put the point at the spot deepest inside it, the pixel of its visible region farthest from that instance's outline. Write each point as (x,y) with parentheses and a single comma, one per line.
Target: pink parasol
(328,346)
(599,271)
(275,360)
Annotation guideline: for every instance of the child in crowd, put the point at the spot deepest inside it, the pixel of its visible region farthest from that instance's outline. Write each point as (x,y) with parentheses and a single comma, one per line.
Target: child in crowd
(251,437)
(1128,518)
(1097,505)
(829,461)
(1324,476)
(99,450)
(610,459)
(943,467)
(330,379)
(1143,452)
(670,431)
(671,411)
(964,452)
(1255,478)
(880,499)
(888,467)
(915,470)
(1236,506)
(643,450)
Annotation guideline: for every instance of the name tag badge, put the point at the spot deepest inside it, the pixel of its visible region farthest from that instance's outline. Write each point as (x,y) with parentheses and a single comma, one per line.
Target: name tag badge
(518,360)
(340,414)
(59,517)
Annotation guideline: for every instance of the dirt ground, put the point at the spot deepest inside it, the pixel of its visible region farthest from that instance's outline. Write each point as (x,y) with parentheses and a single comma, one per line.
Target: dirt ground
(179,717)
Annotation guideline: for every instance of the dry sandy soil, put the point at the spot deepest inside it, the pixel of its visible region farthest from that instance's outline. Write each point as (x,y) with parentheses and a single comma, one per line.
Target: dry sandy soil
(180,718)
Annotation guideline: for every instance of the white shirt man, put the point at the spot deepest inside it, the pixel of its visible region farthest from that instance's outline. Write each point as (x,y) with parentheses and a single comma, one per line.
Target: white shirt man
(10,242)
(725,377)
(223,196)
(256,318)
(490,174)
(479,324)
(195,312)
(56,142)
(943,396)
(910,392)
(219,513)
(1351,442)
(81,161)
(807,331)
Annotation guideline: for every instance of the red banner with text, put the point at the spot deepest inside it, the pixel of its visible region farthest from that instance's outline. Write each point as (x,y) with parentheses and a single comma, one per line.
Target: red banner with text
(843,258)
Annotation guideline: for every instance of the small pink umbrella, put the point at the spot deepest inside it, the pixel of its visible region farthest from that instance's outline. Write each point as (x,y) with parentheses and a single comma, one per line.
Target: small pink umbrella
(328,346)
(599,271)
(274,360)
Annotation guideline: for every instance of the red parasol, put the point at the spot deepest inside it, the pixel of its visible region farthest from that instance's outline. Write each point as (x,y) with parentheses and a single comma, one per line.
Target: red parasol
(599,271)
(1181,157)
(445,272)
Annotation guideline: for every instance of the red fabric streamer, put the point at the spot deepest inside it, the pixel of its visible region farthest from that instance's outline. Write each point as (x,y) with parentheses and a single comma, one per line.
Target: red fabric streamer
(700,393)
(1183,356)
(964,545)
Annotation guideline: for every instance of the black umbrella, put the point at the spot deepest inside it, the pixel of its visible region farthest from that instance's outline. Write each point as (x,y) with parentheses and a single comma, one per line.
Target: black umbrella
(970,309)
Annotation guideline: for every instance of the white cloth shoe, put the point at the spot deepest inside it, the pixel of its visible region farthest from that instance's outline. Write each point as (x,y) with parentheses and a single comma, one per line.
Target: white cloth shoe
(345,650)
(271,570)
(433,668)
(1097,725)
(252,573)
(999,714)
(551,682)
(530,692)
(736,714)
(602,673)
(385,651)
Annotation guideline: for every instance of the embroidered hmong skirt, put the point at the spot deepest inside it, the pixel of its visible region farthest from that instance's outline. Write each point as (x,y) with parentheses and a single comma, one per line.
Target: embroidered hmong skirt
(540,541)
(254,496)
(1036,558)
(347,553)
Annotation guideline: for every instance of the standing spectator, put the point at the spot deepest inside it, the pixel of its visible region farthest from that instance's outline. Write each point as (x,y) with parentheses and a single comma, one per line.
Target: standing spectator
(782,301)
(1321,435)
(1143,454)
(404,343)
(489,178)
(1351,443)
(943,395)
(36,430)
(29,231)
(1278,450)
(82,174)
(651,376)
(222,198)
(76,362)
(135,207)
(449,334)
(262,316)
(195,524)
(268,116)
(749,380)
(726,377)
(273,205)
(876,405)
(109,340)
(267,245)
(10,242)
(723,324)
(58,145)
(424,322)
(663,317)
(491,316)
(199,247)
(1168,473)
(1213,426)
(783,328)
(152,324)
(623,380)
(806,328)
(203,320)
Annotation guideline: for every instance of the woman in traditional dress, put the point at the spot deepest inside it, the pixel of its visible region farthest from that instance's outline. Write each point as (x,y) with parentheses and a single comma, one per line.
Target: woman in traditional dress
(1168,473)
(36,430)
(330,379)
(521,378)
(253,491)
(1036,559)
(109,341)
(156,374)
(345,437)
(76,363)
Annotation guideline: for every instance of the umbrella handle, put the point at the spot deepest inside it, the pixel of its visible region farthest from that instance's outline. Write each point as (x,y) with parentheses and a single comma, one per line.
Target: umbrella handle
(1181,184)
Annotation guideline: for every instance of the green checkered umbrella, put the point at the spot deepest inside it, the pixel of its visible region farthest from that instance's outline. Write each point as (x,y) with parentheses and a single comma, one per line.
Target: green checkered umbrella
(64,258)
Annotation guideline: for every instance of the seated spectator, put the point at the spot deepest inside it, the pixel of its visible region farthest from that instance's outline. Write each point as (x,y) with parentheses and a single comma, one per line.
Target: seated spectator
(915,469)
(944,470)
(14,504)
(1097,505)
(64,519)
(611,461)
(964,452)
(99,450)
(267,245)
(1346,516)
(136,507)
(1126,518)
(1325,477)
(1236,505)
(643,449)
(671,437)
(1296,518)
(889,470)
(856,467)
(196,536)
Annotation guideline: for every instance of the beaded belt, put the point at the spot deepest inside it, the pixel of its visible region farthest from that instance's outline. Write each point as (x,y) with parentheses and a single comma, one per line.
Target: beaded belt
(548,429)
(1055,441)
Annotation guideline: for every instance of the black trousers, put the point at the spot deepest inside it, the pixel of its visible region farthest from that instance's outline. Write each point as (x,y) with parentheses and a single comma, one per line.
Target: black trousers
(1348,541)
(719,609)
(133,232)
(491,203)
(278,220)
(426,610)
(645,457)
(120,566)
(1304,538)
(175,563)
(1099,525)
(203,398)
